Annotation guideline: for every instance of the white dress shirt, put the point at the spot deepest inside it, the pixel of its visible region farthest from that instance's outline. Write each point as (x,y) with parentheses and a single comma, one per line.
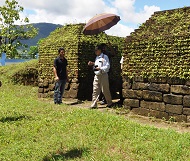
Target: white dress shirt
(103,63)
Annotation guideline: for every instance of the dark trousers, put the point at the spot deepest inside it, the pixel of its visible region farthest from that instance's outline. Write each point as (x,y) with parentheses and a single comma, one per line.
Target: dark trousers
(59,90)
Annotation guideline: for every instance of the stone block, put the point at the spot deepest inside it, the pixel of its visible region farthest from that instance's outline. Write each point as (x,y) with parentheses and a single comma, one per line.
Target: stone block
(73,93)
(174,109)
(159,114)
(126,85)
(40,90)
(187,83)
(186,101)
(139,79)
(159,106)
(157,80)
(178,118)
(131,102)
(45,83)
(173,99)
(141,111)
(180,89)
(129,93)
(74,86)
(140,85)
(188,119)
(165,88)
(152,95)
(175,81)
(46,90)
(51,87)
(186,111)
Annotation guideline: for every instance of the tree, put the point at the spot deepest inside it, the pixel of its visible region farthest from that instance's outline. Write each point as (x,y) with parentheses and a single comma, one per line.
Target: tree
(33,51)
(11,33)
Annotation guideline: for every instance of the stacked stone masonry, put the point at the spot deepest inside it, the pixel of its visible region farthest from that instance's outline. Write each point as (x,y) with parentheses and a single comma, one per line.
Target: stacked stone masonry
(161,98)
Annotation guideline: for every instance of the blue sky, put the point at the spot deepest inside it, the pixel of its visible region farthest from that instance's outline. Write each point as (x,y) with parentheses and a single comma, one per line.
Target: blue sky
(132,12)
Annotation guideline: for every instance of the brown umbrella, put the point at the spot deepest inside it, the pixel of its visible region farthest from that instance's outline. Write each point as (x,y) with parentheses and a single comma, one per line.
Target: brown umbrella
(100,23)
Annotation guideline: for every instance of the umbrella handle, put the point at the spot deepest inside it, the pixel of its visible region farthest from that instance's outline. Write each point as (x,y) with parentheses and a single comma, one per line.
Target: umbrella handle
(112,50)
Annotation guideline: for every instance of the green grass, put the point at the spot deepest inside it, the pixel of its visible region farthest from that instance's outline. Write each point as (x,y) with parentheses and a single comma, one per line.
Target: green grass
(33,129)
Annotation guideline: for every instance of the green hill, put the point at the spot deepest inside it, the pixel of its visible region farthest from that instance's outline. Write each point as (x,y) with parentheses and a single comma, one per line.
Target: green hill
(44,30)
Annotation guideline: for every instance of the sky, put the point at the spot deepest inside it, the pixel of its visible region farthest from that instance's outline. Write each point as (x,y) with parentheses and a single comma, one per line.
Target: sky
(132,12)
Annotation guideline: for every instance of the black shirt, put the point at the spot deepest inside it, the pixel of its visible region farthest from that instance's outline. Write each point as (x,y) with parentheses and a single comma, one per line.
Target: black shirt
(60,66)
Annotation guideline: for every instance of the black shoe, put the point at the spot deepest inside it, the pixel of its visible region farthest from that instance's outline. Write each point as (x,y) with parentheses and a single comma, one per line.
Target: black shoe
(110,106)
(94,107)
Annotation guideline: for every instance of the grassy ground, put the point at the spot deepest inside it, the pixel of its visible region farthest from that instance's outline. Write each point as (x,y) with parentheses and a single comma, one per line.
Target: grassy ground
(36,130)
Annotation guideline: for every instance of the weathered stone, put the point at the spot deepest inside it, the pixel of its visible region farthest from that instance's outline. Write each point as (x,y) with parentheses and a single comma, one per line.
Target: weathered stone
(157,80)
(40,90)
(129,93)
(175,81)
(126,85)
(46,90)
(51,87)
(187,83)
(186,101)
(152,95)
(180,89)
(51,93)
(188,119)
(131,102)
(159,87)
(74,86)
(174,109)
(140,85)
(73,93)
(141,111)
(186,111)
(139,79)
(158,114)
(178,118)
(173,99)
(40,95)
(74,80)
(160,106)
(40,85)
(46,83)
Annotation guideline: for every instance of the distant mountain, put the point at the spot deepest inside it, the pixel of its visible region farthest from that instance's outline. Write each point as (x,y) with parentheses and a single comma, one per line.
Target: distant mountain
(44,29)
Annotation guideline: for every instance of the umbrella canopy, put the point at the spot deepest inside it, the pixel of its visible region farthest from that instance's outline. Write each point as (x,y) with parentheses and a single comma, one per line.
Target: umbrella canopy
(100,23)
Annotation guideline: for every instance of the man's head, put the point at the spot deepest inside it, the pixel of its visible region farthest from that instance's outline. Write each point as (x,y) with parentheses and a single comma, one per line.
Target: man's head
(98,50)
(61,52)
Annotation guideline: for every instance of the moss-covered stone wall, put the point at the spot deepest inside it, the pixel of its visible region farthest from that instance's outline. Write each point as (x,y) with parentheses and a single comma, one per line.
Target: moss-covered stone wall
(79,50)
(156,68)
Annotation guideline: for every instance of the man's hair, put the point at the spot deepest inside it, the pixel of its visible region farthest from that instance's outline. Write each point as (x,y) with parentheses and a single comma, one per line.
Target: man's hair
(98,47)
(61,49)
(103,45)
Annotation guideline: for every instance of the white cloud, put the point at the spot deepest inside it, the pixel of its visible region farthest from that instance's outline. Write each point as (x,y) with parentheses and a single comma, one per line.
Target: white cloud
(119,30)
(127,11)
(75,11)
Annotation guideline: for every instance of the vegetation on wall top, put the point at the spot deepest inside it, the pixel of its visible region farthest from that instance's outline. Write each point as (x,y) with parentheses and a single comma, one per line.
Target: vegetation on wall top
(160,47)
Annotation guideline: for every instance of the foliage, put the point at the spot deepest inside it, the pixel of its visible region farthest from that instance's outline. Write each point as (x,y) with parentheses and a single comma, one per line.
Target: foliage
(36,129)
(160,47)
(33,51)
(11,33)
(25,73)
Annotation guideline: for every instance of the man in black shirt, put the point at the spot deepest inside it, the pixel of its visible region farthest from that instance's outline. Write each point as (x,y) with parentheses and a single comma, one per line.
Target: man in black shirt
(61,75)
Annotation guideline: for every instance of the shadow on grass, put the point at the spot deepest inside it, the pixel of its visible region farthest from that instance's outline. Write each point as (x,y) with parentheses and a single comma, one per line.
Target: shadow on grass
(14,118)
(61,155)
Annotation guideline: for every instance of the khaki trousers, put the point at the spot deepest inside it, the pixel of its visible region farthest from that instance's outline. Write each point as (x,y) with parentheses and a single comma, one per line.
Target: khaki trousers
(101,83)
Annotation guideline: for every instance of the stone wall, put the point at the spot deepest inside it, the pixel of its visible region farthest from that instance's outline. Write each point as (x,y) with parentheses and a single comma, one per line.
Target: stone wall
(163,98)
(79,50)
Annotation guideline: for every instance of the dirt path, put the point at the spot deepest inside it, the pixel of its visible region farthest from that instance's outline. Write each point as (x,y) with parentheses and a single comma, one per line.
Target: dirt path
(158,123)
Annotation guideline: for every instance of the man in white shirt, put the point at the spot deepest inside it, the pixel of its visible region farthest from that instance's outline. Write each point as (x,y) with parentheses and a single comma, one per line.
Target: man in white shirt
(101,68)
